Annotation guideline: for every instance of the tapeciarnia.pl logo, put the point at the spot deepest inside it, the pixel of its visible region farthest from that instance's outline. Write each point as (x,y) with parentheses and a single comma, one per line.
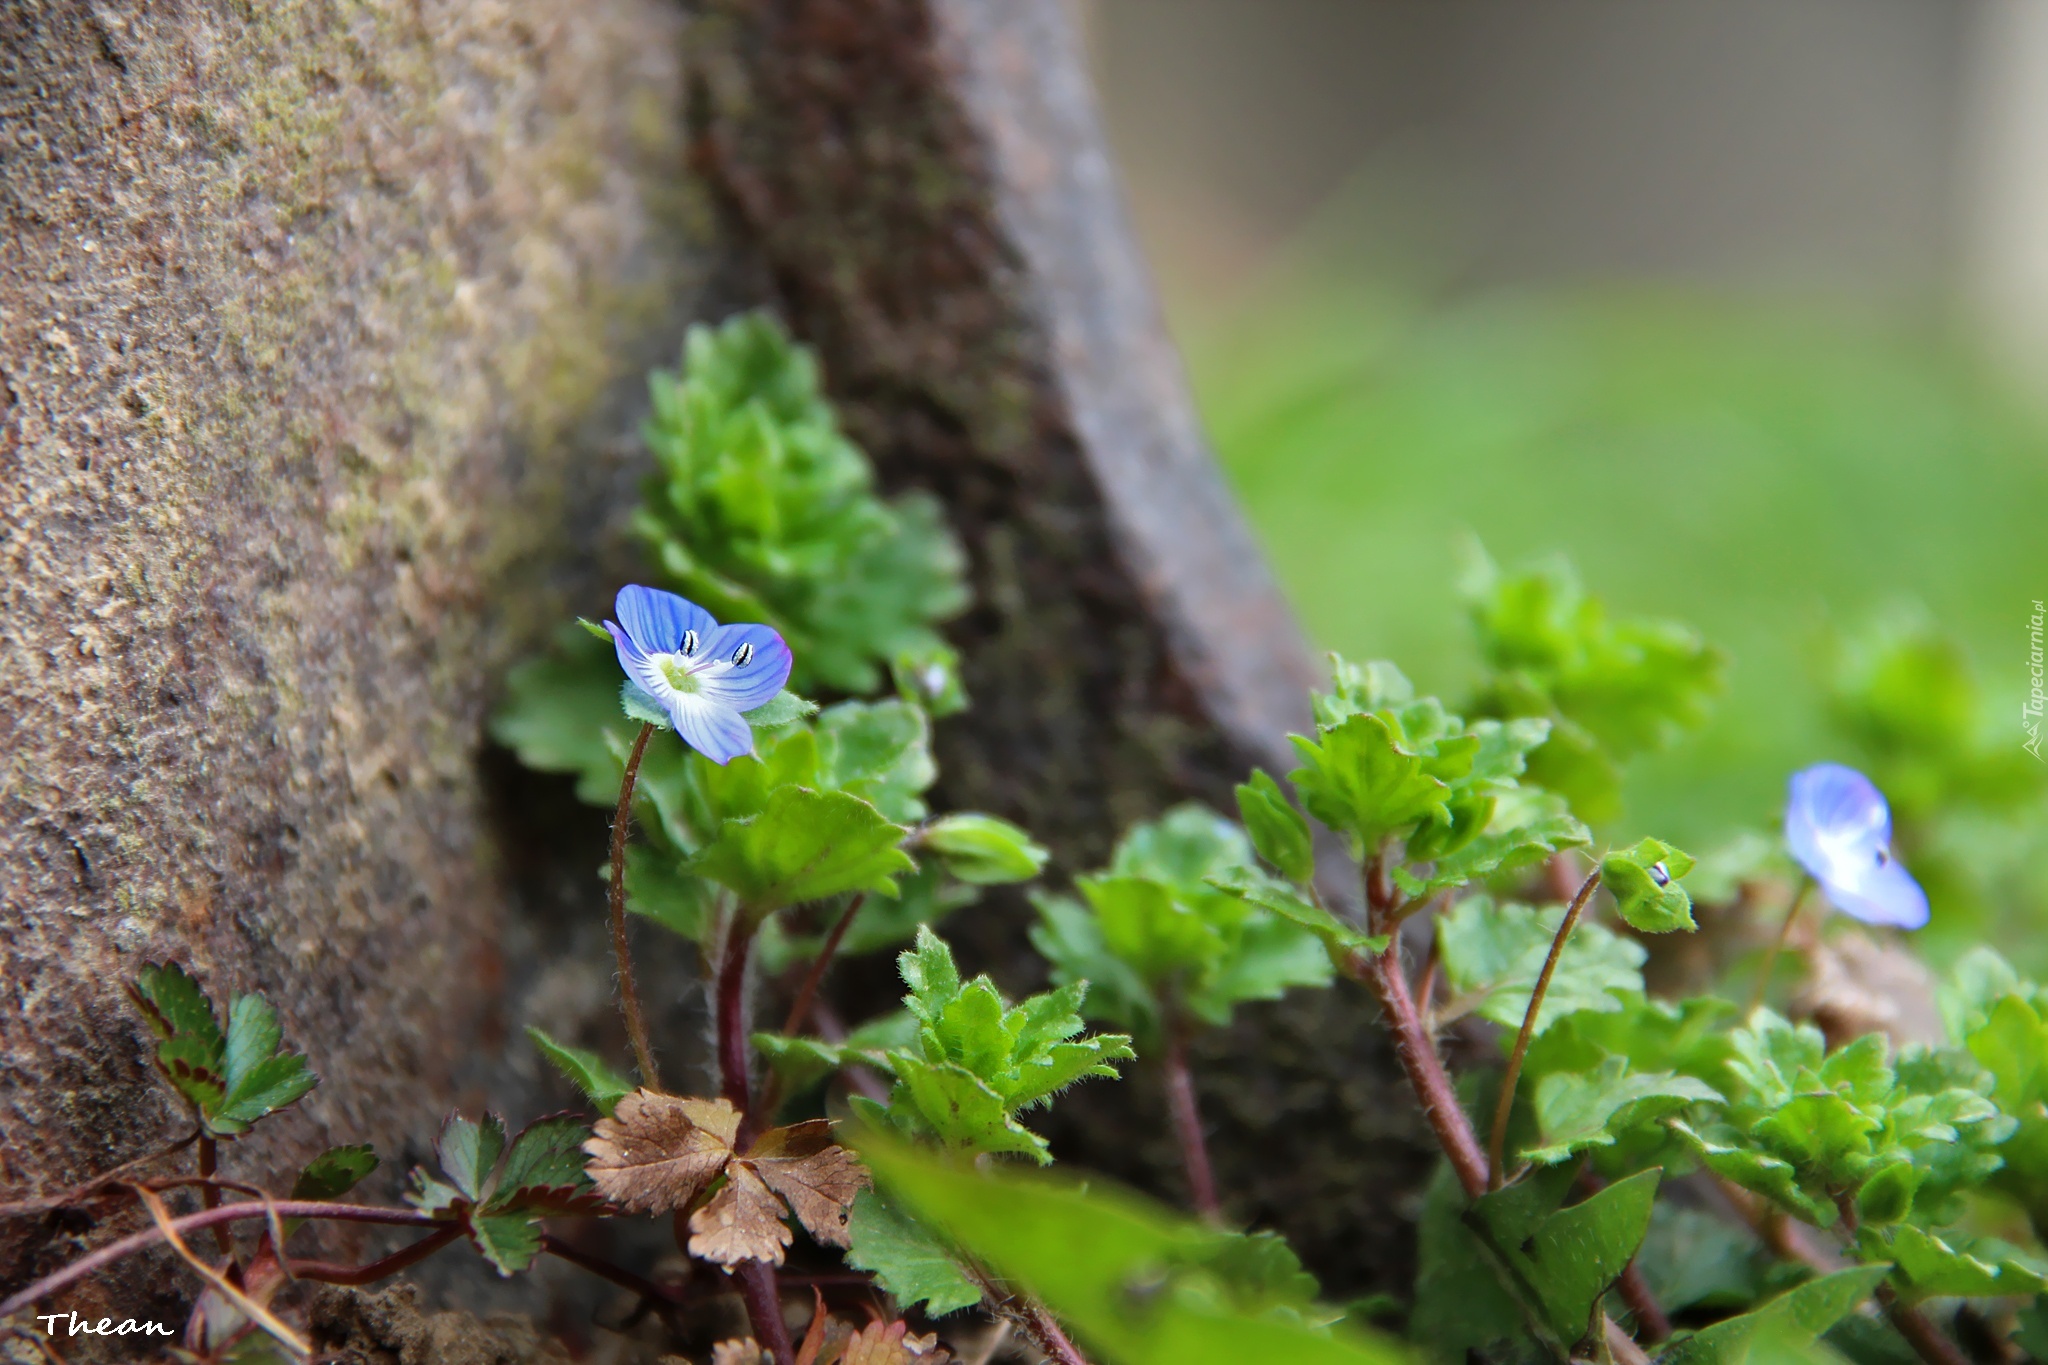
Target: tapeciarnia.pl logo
(2031,709)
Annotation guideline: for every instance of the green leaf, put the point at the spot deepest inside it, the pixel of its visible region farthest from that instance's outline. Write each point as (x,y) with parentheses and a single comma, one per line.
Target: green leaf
(805,845)
(509,1241)
(1925,1266)
(1576,1112)
(175,1007)
(468,1153)
(543,1171)
(1887,1195)
(259,1079)
(1758,1172)
(1276,828)
(1492,955)
(761,509)
(802,1062)
(1568,1260)
(985,851)
(1526,828)
(979,1060)
(1643,880)
(907,1261)
(334,1172)
(1358,779)
(880,752)
(560,713)
(1137,1285)
(2012,1044)
(1794,1319)
(1289,904)
(783,709)
(587,1071)
(1461,1306)
(661,889)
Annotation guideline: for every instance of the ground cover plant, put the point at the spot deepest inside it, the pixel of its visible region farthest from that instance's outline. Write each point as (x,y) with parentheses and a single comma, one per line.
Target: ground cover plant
(1775,1154)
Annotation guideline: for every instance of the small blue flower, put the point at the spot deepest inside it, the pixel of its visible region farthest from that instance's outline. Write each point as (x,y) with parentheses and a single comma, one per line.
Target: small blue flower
(704,675)
(1840,830)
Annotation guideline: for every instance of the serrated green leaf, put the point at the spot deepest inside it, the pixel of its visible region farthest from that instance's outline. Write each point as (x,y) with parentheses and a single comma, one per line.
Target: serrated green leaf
(1289,904)
(985,851)
(805,845)
(962,1111)
(1758,1172)
(907,1261)
(802,1062)
(760,509)
(1069,937)
(335,1172)
(660,889)
(543,1170)
(2012,1044)
(1643,879)
(1886,1196)
(1576,1112)
(1492,955)
(174,1006)
(1276,828)
(468,1153)
(880,752)
(1134,1282)
(587,1071)
(1359,780)
(642,707)
(1925,1266)
(1793,1319)
(270,1085)
(509,1241)
(1460,1304)
(1526,828)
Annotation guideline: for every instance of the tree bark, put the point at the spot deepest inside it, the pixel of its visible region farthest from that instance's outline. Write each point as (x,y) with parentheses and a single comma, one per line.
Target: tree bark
(321,325)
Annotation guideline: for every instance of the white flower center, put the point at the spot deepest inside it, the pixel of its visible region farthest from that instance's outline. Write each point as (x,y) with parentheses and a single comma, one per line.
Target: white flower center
(677,671)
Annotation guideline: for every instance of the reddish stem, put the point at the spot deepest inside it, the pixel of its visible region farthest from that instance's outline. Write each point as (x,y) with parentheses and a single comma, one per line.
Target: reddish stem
(206,1218)
(605,1270)
(1186,1113)
(756,1278)
(209,1195)
(1425,1070)
(1504,1108)
(327,1272)
(629,994)
(807,993)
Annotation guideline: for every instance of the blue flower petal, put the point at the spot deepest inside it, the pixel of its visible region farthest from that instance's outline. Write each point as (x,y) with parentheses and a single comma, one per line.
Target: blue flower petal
(718,732)
(640,668)
(1838,826)
(658,620)
(744,666)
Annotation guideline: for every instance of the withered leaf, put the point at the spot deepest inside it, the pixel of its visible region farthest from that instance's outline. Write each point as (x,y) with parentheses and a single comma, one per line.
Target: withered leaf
(890,1343)
(743,1221)
(657,1153)
(818,1177)
(739,1352)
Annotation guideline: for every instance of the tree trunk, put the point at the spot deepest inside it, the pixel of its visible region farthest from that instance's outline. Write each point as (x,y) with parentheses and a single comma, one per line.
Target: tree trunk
(322,328)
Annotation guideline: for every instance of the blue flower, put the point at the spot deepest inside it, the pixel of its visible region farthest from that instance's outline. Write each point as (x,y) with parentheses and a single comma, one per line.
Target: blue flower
(1840,830)
(703,675)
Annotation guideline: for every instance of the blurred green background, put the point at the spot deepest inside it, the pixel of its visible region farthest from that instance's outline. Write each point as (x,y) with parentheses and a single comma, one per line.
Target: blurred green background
(1734,306)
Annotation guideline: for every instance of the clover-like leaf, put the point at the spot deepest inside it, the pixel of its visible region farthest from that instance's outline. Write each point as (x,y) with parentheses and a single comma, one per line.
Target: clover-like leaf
(1578,1111)
(657,1153)
(335,1172)
(1643,879)
(233,1078)
(1361,781)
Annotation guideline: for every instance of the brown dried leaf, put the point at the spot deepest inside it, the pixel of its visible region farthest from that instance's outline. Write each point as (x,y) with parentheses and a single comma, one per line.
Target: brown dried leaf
(816,1176)
(890,1343)
(739,1352)
(1856,984)
(658,1152)
(743,1221)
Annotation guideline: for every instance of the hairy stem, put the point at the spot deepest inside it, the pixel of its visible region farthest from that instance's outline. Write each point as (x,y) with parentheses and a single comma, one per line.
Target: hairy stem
(1030,1316)
(807,993)
(1185,1111)
(756,1278)
(1424,1069)
(1920,1333)
(629,994)
(1497,1141)
(1763,976)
